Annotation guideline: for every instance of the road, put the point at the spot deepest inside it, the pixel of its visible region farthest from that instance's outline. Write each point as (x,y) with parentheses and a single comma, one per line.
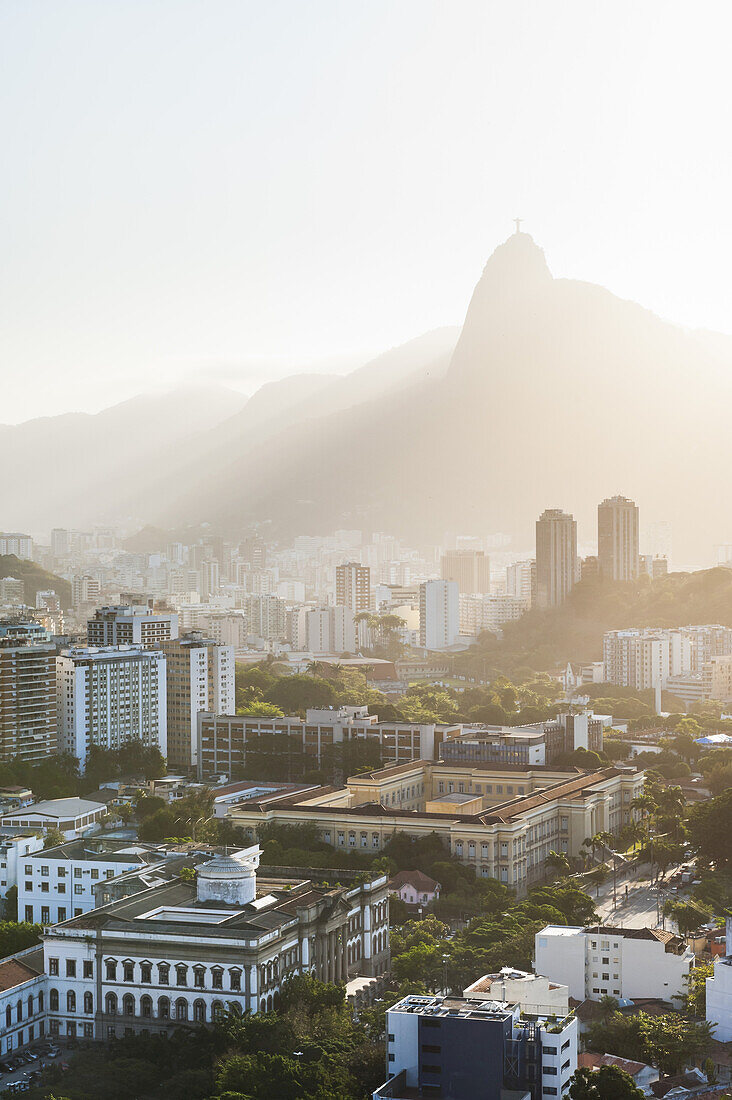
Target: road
(639,908)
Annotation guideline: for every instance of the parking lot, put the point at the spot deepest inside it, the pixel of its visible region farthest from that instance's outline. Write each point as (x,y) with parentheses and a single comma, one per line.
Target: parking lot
(19,1070)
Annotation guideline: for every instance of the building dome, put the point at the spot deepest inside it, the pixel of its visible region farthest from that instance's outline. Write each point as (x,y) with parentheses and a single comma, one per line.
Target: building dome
(229,879)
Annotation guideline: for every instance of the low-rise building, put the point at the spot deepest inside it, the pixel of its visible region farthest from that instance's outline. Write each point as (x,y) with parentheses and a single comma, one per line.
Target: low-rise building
(719,991)
(185,952)
(625,963)
(15,844)
(225,739)
(23,1002)
(57,883)
(71,816)
(468,1049)
(414,887)
(507,822)
(642,1074)
(536,743)
(531,992)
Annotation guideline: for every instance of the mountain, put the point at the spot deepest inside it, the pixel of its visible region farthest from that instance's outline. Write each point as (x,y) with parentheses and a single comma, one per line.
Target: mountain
(557,394)
(63,467)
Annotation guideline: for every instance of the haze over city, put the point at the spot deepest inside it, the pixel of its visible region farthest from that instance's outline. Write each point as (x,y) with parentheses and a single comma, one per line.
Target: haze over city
(365,556)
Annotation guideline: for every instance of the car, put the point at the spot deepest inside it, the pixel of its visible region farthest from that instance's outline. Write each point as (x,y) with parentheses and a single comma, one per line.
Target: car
(52,1053)
(5,1067)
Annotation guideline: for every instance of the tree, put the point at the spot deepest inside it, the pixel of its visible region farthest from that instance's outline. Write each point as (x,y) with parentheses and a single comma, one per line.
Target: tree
(53,838)
(16,936)
(673,1042)
(605,1083)
(11,904)
(295,694)
(694,997)
(710,826)
(558,862)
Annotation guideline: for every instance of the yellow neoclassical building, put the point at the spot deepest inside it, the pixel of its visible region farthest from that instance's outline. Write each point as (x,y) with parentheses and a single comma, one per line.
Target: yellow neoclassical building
(504,821)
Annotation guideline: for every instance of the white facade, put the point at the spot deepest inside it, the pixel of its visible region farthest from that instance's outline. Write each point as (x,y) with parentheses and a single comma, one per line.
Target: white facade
(12,850)
(200,677)
(109,696)
(625,963)
(719,992)
(531,992)
(479,613)
(324,630)
(521,580)
(439,614)
(58,883)
(23,1004)
(11,542)
(72,816)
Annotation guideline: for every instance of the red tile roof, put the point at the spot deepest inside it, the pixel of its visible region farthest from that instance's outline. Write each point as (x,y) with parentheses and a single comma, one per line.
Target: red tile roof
(422,883)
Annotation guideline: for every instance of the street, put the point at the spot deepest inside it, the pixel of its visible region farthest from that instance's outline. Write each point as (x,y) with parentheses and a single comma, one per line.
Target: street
(639,908)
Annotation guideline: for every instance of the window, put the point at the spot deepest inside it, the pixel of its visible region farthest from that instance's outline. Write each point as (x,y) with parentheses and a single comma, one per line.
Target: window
(199,1012)
(146,1006)
(181,1009)
(549,1050)
(88,1031)
(164,1008)
(110,1004)
(217,977)
(163,973)
(88,1002)
(53,967)
(128,971)
(432,1069)
(77,872)
(45,915)
(146,973)
(111,968)
(61,913)
(181,974)
(78,888)
(550,1071)
(29,914)
(88,968)
(235,979)
(128,1005)
(44,872)
(565,1065)
(71,1001)
(53,1000)
(549,1092)
(198,976)
(71,968)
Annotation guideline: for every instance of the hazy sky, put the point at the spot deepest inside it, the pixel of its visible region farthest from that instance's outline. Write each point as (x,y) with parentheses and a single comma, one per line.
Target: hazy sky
(233,190)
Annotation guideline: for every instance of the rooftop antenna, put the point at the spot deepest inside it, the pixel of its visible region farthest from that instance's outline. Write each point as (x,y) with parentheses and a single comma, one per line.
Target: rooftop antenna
(517,223)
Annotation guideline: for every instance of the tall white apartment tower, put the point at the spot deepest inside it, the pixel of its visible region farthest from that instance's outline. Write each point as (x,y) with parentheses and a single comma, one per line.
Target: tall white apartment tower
(617,539)
(556,557)
(353,586)
(108,696)
(439,614)
(200,677)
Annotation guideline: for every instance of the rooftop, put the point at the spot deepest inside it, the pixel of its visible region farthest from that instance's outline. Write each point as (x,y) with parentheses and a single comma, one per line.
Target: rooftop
(21,968)
(58,807)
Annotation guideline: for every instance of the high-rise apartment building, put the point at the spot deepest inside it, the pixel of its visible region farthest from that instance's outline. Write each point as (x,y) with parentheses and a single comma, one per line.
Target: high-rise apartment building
(12,590)
(617,539)
(200,677)
(108,696)
(84,589)
(439,614)
(556,557)
(12,542)
(471,569)
(521,580)
(210,582)
(353,586)
(131,624)
(27,692)
(323,630)
(266,617)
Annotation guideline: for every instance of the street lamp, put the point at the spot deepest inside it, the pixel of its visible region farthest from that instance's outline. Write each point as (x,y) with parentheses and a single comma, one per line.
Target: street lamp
(445,961)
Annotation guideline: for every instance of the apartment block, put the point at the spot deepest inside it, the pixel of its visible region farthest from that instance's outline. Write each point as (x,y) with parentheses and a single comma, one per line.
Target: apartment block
(556,557)
(137,625)
(353,586)
(439,614)
(617,539)
(108,696)
(470,569)
(200,676)
(27,691)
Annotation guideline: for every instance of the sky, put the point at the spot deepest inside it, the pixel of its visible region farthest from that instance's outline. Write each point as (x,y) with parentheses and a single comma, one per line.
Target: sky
(224,191)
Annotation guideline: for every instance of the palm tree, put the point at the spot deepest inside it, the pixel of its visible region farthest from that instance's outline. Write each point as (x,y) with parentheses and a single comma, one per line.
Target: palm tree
(557,862)
(607,1006)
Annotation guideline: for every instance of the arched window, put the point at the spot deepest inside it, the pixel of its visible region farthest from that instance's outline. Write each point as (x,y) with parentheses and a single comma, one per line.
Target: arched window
(217,1010)
(181,1009)
(146,1006)
(276,1001)
(53,1000)
(263,1005)
(8,1016)
(110,1004)
(164,1008)
(234,1008)
(199,1012)
(71,1001)
(128,1004)
(30,1005)
(269,1003)
(88,1002)
(19,1007)
(40,1001)
(111,966)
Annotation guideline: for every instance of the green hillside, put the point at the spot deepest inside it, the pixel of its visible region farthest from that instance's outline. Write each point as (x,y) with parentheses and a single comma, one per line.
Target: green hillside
(35,579)
(573,632)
